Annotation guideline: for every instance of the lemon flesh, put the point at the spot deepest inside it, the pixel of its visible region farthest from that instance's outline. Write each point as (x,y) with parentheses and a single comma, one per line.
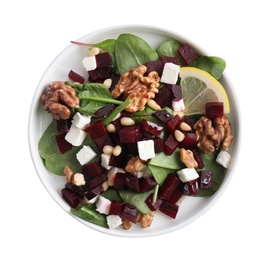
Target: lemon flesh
(198,88)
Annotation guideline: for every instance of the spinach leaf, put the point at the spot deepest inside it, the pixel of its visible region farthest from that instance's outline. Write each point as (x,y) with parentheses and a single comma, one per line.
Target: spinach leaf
(213,65)
(107,45)
(169,48)
(131,50)
(53,160)
(159,173)
(136,199)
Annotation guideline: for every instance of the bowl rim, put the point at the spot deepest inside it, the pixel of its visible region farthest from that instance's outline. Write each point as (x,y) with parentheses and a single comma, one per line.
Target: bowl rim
(213,199)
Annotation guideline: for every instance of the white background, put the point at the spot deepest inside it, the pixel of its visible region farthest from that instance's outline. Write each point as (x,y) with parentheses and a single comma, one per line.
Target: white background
(33,226)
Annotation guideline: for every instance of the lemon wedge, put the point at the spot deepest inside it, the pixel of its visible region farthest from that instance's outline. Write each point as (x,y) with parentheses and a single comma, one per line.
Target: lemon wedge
(198,88)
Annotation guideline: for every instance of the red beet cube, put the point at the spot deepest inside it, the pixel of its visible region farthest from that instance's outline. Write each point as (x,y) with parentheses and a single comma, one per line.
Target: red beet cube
(98,180)
(116,208)
(168,187)
(132,148)
(119,181)
(163,115)
(102,141)
(79,190)
(129,212)
(169,209)
(198,158)
(173,123)
(214,109)
(176,195)
(176,91)
(153,206)
(96,129)
(75,77)
(155,66)
(158,144)
(103,60)
(100,74)
(151,127)
(191,188)
(147,184)
(206,179)
(170,144)
(63,145)
(163,97)
(90,194)
(167,59)
(131,182)
(119,161)
(130,134)
(189,141)
(91,170)
(63,125)
(187,54)
(104,111)
(70,197)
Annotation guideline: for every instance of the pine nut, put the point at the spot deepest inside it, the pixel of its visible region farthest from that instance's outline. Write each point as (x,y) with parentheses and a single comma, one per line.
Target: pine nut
(108,82)
(127,121)
(108,149)
(117,150)
(179,135)
(111,178)
(111,128)
(105,185)
(152,104)
(93,51)
(180,113)
(184,126)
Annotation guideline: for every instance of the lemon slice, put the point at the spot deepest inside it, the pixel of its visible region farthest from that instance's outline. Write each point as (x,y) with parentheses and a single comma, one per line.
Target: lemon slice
(198,88)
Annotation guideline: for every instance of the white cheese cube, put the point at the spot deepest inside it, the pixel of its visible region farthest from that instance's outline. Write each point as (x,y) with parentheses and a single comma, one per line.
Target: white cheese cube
(89,63)
(105,158)
(103,205)
(113,221)
(75,136)
(224,159)
(85,154)
(187,174)
(146,149)
(81,121)
(178,105)
(170,73)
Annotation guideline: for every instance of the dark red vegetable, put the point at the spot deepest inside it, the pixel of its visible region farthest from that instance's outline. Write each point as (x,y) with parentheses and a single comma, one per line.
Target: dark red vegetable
(214,109)
(163,97)
(75,77)
(90,194)
(96,129)
(163,115)
(130,134)
(155,66)
(116,208)
(168,187)
(205,179)
(147,184)
(151,127)
(70,197)
(167,59)
(129,212)
(173,123)
(170,144)
(153,206)
(63,145)
(91,170)
(169,209)
(187,54)
(98,180)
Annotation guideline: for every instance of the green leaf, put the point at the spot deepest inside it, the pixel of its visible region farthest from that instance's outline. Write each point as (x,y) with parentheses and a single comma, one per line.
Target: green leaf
(136,199)
(107,45)
(213,65)
(55,161)
(159,173)
(131,51)
(169,48)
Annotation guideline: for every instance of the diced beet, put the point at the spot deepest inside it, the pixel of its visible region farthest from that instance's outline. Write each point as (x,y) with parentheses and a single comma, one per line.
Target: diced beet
(104,111)
(63,125)
(190,120)
(90,194)
(91,170)
(102,141)
(119,181)
(163,97)
(79,190)
(70,197)
(96,129)
(189,141)
(116,208)
(115,79)
(147,184)
(168,187)
(98,180)
(129,212)
(214,109)
(170,144)
(103,60)
(191,188)
(158,144)
(206,179)
(169,209)
(100,74)
(163,115)
(173,123)
(167,59)
(155,66)
(151,127)
(131,182)
(117,124)
(176,91)
(153,206)
(75,77)
(132,148)
(198,158)
(130,134)
(187,54)
(119,161)
(63,145)
(176,195)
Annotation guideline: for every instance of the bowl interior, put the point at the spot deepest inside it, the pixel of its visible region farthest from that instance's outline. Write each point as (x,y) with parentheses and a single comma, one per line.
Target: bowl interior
(70,58)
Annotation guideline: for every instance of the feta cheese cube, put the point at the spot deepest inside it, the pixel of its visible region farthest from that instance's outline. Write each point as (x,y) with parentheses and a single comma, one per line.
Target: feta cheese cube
(103,205)
(178,105)
(85,154)
(146,149)
(105,158)
(224,159)
(89,63)
(170,73)
(187,174)
(81,121)
(113,221)
(75,136)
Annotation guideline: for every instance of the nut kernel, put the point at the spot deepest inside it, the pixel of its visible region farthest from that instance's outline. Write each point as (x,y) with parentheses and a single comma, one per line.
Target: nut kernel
(108,149)
(179,135)
(152,104)
(127,121)
(108,82)
(111,128)
(117,150)
(185,127)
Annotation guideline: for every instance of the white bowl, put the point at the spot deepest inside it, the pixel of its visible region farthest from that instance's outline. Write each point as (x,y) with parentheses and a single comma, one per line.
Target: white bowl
(70,58)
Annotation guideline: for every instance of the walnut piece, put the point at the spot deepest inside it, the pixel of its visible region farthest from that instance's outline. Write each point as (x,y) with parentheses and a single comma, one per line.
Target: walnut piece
(137,87)
(213,135)
(146,219)
(58,99)
(186,156)
(134,164)
(126,224)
